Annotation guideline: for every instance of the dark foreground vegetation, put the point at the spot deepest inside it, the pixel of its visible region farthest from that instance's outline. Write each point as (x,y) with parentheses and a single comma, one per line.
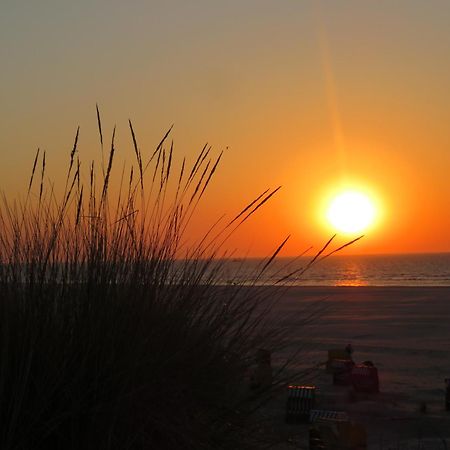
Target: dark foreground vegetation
(107,339)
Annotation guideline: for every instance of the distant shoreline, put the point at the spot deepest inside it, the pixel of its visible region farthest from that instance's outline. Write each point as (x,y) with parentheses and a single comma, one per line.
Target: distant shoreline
(344,270)
(378,287)
(341,289)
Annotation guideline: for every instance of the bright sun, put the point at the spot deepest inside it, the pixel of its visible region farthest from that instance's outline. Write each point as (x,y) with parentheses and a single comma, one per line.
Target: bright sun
(351,212)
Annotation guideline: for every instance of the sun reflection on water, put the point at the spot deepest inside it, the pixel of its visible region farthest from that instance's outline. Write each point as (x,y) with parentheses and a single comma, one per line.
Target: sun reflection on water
(352,276)
(355,282)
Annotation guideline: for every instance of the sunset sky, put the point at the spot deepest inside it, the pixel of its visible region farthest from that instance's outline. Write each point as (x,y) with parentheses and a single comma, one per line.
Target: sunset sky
(314,96)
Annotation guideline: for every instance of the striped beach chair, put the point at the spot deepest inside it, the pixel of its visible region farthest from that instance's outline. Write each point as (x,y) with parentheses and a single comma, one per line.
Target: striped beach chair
(301,400)
(316,415)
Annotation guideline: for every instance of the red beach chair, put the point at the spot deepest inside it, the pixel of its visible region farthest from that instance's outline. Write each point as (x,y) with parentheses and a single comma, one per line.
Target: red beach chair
(365,378)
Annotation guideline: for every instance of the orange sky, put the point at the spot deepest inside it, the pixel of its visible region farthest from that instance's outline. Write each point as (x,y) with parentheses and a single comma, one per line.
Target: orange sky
(308,95)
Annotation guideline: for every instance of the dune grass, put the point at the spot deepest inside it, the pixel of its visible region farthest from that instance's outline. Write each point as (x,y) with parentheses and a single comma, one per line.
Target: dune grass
(115,334)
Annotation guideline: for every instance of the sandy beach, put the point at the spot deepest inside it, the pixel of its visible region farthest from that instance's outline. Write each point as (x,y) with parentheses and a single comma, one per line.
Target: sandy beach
(404,331)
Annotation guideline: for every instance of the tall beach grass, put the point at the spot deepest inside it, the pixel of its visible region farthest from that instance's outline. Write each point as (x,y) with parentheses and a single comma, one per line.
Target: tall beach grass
(114,332)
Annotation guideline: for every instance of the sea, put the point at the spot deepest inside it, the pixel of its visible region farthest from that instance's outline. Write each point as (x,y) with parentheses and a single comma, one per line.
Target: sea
(341,270)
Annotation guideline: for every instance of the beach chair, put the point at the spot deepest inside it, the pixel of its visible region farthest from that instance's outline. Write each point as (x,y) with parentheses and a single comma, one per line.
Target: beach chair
(335,358)
(316,439)
(337,435)
(316,415)
(447,394)
(365,378)
(261,375)
(342,372)
(300,401)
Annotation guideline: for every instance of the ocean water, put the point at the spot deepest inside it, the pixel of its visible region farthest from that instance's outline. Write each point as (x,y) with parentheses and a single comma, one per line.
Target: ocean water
(343,270)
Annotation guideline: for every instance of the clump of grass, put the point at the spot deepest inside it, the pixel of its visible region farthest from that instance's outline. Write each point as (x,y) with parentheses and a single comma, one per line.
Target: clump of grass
(114,333)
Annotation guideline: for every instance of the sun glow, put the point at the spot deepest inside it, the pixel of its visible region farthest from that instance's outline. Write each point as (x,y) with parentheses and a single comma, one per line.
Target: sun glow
(351,212)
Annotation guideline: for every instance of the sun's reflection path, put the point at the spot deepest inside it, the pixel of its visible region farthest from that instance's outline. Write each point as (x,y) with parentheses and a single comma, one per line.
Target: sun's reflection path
(352,276)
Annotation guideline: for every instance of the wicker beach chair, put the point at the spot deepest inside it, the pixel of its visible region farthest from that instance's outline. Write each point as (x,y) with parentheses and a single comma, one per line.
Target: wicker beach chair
(337,435)
(364,378)
(261,374)
(301,400)
(336,358)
